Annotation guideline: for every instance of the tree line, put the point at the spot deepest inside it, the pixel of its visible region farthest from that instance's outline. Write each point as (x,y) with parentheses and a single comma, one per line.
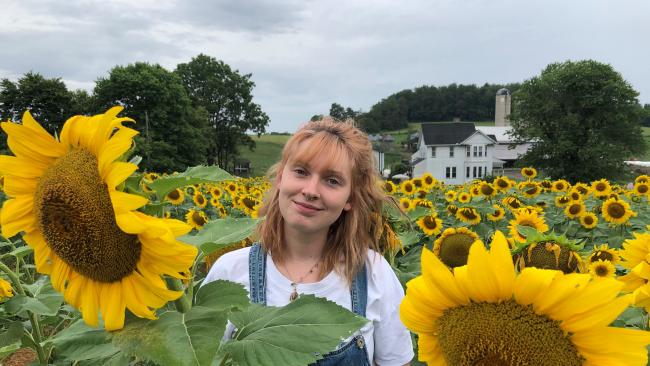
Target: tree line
(198,113)
(426,103)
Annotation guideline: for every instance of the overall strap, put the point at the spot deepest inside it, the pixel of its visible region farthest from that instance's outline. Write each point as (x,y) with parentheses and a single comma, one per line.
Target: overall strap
(257,274)
(359,292)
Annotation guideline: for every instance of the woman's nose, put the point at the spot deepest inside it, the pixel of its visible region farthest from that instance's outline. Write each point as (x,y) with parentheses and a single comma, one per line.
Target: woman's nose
(310,189)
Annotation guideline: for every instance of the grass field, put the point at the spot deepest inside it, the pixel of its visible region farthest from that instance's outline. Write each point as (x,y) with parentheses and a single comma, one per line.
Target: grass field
(267,152)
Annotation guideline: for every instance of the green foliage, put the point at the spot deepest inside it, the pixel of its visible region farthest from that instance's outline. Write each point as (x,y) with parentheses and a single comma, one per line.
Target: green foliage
(341,114)
(48,100)
(220,233)
(227,98)
(431,103)
(582,119)
(193,175)
(172,132)
(399,168)
(291,335)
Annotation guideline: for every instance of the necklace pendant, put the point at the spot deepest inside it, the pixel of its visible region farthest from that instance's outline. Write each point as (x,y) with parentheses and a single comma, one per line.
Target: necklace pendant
(294,295)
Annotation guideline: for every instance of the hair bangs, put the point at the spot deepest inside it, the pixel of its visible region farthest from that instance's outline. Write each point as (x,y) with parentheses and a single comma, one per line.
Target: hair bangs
(321,144)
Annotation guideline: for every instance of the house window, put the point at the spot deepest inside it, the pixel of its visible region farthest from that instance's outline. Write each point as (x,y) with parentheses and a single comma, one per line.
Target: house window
(467,173)
(451,151)
(453,172)
(475,151)
(480,171)
(468,149)
(480,151)
(433,152)
(485,171)
(448,172)
(474,172)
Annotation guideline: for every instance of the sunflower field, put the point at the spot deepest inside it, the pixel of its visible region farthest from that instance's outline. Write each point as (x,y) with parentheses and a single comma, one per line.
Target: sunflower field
(102,264)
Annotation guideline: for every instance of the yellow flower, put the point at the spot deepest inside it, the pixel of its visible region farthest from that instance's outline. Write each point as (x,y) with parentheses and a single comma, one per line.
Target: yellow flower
(513,203)
(464,197)
(450,196)
(528,218)
(530,189)
(216,192)
(407,187)
(175,196)
(635,257)
(604,252)
(498,214)
(486,189)
(502,183)
(452,247)
(98,250)
(601,188)
(5,289)
(196,219)
(485,313)
(406,204)
(562,201)
(199,199)
(588,220)
(616,211)
(428,181)
(642,189)
(560,185)
(602,269)
(430,224)
(575,209)
(643,178)
(389,187)
(529,172)
(468,215)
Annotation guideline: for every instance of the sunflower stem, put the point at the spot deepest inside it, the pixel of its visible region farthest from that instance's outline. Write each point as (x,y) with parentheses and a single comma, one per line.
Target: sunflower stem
(37,335)
(183,303)
(190,286)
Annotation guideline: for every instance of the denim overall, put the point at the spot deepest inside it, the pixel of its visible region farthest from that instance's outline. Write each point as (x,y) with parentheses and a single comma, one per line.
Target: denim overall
(352,353)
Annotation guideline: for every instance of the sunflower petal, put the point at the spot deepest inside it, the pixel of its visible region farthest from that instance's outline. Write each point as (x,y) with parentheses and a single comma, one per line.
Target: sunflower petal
(117,172)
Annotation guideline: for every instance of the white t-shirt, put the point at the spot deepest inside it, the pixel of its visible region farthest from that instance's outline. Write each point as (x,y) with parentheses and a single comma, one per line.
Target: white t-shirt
(387,339)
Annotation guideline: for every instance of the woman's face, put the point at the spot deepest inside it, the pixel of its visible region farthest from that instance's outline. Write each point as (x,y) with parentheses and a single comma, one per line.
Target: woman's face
(312,195)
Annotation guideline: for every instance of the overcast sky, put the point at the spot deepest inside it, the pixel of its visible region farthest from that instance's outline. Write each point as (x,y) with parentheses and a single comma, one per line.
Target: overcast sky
(304,55)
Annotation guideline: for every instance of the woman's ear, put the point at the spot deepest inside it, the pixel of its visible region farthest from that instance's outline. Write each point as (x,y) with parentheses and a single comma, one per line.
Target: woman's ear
(348,206)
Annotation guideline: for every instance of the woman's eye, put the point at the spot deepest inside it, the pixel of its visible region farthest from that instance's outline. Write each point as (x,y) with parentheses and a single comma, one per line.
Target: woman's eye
(333,181)
(299,171)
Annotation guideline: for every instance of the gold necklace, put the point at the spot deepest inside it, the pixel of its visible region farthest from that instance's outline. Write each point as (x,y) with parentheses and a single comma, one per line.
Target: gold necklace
(294,285)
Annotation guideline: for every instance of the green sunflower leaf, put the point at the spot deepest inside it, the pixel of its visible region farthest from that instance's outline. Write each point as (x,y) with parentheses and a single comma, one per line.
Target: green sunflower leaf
(79,342)
(197,174)
(219,233)
(46,301)
(296,334)
(10,339)
(191,338)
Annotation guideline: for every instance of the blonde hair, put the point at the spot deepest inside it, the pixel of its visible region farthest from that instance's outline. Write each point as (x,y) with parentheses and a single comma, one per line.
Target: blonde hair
(357,229)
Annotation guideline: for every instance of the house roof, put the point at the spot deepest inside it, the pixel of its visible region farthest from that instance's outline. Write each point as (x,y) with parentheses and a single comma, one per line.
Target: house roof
(446,133)
(499,133)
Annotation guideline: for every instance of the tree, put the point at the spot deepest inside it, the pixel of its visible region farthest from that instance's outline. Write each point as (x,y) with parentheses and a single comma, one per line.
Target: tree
(337,112)
(582,119)
(645,116)
(227,98)
(48,100)
(172,132)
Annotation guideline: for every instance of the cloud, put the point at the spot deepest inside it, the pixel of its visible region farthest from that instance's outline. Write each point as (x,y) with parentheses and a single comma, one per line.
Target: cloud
(304,55)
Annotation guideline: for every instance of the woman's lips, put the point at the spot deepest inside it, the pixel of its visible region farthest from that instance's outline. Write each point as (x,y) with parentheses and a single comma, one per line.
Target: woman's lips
(305,207)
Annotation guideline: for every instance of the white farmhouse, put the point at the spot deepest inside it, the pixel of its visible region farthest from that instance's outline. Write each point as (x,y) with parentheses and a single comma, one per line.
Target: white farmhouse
(505,149)
(454,152)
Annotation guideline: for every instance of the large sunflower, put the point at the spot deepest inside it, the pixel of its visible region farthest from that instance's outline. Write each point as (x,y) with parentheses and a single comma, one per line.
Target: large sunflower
(485,313)
(617,211)
(589,220)
(98,250)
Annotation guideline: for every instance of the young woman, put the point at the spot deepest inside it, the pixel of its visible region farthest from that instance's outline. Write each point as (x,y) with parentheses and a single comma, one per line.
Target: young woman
(318,237)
